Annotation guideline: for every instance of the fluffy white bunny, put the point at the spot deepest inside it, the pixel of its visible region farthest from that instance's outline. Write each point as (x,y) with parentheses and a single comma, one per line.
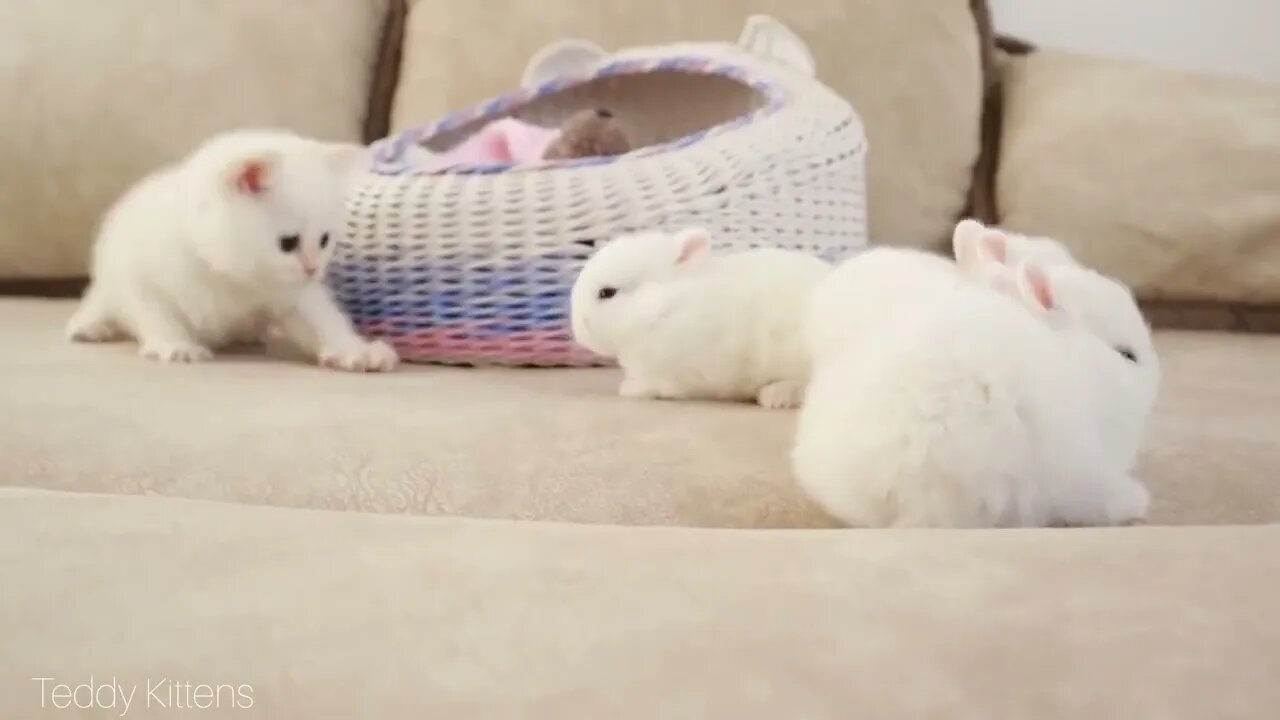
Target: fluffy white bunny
(1015,400)
(222,248)
(873,288)
(684,323)
(882,284)
(976,247)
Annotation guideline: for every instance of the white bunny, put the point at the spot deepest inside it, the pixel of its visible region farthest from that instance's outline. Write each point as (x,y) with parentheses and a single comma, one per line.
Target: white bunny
(686,324)
(873,288)
(1018,406)
(882,284)
(975,246)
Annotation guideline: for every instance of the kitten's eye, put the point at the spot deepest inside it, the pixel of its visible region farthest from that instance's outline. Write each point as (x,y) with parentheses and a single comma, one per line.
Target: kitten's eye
(324,241)
(288,243)
(1127,354)
(607,292)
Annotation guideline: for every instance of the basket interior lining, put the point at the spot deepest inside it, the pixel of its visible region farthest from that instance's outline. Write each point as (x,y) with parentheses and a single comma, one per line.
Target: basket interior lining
(654,107)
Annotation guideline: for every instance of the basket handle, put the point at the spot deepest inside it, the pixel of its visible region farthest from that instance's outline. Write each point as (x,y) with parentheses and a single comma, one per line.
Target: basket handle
(562,57)
(768,38)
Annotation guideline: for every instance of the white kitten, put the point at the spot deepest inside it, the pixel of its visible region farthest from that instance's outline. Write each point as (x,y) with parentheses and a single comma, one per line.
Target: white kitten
(223,247)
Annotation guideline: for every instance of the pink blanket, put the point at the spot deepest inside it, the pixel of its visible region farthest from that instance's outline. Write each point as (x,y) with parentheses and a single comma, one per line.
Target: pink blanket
(501,142)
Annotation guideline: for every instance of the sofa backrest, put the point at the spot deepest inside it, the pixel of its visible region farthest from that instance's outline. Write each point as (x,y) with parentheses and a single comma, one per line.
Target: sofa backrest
(914,69)
(97,94)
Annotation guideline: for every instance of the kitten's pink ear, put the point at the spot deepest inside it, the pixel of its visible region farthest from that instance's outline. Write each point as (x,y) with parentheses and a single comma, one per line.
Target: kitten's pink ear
(695,244)
(1035,286)
(251,177)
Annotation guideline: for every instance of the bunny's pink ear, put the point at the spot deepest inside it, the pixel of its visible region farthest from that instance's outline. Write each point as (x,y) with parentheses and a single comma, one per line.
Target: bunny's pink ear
(993,246)
(975,244)
(1035,287)
(1000,278)
(695,244)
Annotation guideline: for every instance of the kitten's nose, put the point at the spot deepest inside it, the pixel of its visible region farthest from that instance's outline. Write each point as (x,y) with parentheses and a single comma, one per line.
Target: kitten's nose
(309,270)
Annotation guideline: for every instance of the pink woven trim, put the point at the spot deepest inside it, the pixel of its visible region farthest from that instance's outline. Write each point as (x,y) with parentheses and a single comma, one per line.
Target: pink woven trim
(458,344)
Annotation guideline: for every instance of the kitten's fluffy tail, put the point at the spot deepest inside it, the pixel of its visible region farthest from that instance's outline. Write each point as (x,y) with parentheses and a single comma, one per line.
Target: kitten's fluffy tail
(92,321)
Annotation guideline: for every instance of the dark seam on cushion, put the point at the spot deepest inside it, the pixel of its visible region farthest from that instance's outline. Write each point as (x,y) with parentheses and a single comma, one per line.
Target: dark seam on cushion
(385,74)
(981,199)
(43,288)
(1254,318)
(983,202)
(985,205)
(1013,45)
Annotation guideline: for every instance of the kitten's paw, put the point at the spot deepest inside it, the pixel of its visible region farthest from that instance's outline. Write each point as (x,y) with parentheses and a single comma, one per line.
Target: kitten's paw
(375,356)
(91,322)
(175,352)
(780,395)
(1128,504)
(382,357)
(92,331)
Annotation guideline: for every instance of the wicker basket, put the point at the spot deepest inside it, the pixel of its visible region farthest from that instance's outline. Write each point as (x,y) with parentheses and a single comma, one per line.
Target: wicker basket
(474,264)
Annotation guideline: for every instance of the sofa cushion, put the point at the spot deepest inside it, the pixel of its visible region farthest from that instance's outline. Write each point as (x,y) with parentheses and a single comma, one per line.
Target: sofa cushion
(911,67)
(1167,179)
(97,94)
(518,443)
(524,443)
(346,615)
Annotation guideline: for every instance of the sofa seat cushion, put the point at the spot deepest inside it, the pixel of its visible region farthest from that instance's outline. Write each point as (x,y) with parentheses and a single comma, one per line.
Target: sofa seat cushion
(519,443)
(325,614)
(524,443)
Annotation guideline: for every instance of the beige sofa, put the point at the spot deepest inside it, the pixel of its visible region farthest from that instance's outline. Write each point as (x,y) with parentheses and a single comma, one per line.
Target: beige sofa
(475,542)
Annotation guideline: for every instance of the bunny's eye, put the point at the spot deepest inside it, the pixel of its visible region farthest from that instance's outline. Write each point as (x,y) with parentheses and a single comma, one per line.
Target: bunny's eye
(607,292)
(288,243)
(324,241)
(1127,354)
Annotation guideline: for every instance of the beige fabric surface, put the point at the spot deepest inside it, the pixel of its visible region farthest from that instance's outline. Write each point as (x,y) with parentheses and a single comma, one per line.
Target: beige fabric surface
(910,67)
(350,615)
(97,94)
(525,444)
(1167,179)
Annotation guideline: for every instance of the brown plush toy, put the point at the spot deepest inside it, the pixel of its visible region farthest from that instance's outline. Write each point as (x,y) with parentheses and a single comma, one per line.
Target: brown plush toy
(589,133)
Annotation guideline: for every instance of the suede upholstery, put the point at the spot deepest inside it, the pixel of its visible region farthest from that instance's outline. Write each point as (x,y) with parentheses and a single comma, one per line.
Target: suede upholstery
(397,546)
(422,440)
(100,93)
(1190,210)
(349,615)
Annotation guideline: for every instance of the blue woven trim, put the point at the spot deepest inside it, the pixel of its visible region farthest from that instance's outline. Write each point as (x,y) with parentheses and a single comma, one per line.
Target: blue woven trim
(390,156)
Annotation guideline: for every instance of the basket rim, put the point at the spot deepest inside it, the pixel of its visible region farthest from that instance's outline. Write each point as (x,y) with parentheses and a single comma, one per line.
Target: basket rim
(390,156)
